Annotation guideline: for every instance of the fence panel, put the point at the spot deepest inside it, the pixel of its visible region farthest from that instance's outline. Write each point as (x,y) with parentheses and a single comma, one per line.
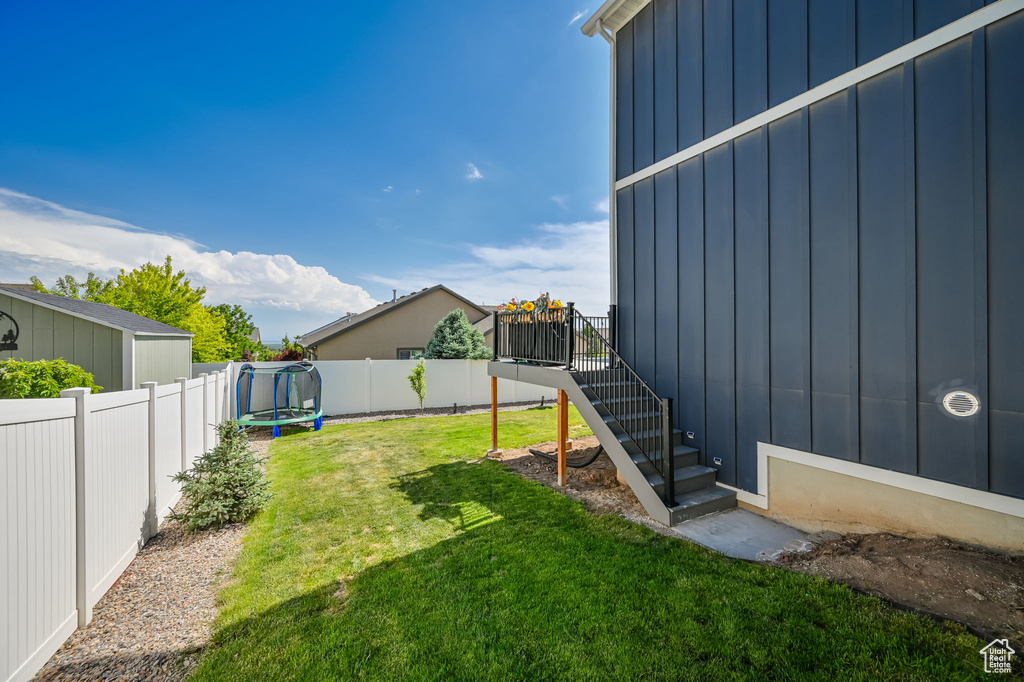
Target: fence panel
(194,420)
(37,530)
(354,386)
(210,412)
(116,485)
(168,448)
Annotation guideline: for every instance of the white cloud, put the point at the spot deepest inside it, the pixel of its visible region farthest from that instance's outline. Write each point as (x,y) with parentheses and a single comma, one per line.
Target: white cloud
(41,238)
(389,188)
(602,206)
(579,15)
(569,260)
(473,172)
(561,200)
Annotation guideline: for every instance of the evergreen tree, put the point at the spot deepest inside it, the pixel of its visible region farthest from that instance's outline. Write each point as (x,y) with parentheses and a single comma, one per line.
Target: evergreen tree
(455,338)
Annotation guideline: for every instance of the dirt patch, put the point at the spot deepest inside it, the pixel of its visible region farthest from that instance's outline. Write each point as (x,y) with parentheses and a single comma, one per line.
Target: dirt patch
(981,589)
(596,485)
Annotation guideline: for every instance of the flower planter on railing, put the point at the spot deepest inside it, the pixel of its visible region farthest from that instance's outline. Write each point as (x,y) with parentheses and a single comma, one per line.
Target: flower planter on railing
(534,331)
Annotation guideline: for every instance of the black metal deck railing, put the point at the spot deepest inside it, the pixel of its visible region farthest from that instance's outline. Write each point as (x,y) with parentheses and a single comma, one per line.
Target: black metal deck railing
(586,346)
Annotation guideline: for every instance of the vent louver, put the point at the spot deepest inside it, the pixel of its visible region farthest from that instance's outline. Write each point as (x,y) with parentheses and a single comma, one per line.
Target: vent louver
(961,403)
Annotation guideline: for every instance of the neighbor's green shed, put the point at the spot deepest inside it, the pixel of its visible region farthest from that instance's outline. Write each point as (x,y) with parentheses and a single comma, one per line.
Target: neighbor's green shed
(120,349)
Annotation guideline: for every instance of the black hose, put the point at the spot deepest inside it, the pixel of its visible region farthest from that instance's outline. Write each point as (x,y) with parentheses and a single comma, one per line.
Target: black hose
(574,465)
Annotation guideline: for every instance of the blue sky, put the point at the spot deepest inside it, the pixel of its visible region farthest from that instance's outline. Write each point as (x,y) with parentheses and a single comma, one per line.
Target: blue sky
(348,148)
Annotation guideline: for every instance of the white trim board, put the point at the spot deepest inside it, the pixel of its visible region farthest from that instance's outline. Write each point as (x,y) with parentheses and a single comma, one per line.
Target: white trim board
(1003,504)
(947,34)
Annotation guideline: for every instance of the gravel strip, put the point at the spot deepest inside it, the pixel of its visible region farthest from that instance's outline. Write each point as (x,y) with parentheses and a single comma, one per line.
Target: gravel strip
(154,621)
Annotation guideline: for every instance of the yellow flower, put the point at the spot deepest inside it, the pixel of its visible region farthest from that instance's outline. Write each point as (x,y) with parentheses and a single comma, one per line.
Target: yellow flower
(510,307)
(528,306)
(555,305)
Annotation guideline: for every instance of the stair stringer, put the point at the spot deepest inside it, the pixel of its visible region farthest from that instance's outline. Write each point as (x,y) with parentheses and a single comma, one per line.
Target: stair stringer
(561,379)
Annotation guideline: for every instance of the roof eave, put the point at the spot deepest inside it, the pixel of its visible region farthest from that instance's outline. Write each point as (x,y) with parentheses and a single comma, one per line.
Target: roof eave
(609,15)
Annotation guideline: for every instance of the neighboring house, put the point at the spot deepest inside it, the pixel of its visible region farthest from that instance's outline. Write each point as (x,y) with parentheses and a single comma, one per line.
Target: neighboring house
(818,253)
(256,337)
(398,329)
(120,349)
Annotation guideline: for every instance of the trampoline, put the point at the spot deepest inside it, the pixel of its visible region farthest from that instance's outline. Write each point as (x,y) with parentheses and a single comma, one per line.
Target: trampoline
(279,395)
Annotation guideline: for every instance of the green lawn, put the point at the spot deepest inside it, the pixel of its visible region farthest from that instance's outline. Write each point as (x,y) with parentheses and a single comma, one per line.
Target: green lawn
(386,554)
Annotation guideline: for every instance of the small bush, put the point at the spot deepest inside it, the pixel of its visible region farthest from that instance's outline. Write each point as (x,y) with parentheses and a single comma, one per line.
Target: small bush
(42,378)
(226,485)
(418,381)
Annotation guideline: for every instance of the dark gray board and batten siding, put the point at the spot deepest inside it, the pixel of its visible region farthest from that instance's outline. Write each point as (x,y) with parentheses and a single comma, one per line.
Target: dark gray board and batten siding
(840,269)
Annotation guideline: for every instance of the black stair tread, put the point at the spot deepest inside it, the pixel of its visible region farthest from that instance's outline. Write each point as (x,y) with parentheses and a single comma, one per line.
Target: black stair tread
(677,452)
(682,474)
(703,496)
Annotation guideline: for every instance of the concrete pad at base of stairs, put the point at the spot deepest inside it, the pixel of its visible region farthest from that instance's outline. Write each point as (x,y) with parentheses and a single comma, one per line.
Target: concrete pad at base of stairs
(742,534)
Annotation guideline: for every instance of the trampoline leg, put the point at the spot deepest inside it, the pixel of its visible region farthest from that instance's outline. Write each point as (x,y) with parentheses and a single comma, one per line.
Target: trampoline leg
(277,431)
(317,423)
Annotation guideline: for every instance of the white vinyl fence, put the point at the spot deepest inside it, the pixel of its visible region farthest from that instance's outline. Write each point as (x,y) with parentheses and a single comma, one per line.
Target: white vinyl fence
(84,482)
(354,386)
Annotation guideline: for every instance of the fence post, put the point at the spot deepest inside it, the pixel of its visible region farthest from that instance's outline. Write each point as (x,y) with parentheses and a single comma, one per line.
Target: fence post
(82,601)
(184,422)
(218,380)
(206,411)
(151,510)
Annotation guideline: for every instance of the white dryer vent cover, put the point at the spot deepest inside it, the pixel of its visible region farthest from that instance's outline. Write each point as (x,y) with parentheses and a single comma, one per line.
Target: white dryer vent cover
(961,403)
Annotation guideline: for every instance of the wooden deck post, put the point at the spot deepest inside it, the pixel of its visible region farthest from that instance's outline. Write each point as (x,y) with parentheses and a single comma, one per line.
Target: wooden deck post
(494,417)
(563,434)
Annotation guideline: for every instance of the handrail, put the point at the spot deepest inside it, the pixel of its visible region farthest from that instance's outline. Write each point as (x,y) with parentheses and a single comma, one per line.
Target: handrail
(582,345)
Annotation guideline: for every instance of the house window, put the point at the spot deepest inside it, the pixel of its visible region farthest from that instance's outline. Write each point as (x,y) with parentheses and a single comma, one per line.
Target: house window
(410,353)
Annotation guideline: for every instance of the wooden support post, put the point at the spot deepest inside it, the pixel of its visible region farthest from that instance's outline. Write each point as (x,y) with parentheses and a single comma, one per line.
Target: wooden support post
(563,434)
(494,417)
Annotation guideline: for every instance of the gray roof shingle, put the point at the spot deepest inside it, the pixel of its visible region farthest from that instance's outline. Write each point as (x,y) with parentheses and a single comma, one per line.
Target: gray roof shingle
(101,313)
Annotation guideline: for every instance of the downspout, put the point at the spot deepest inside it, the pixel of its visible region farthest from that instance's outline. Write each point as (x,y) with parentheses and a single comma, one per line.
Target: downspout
(613,231)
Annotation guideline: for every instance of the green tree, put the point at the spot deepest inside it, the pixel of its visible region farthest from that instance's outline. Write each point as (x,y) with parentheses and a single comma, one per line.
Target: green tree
(210,342)
(157,292)
(456,339)
(238,329)
(92,289)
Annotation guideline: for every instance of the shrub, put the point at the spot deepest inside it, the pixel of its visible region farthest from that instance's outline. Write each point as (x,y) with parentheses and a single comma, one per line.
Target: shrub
(226,485)
(456,339)
(418,381)
(42,378)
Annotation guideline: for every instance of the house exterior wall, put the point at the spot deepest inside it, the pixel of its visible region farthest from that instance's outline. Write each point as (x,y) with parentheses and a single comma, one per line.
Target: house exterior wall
(406,326)
(821,281)
(162,359)
(47,334)
(688,69)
